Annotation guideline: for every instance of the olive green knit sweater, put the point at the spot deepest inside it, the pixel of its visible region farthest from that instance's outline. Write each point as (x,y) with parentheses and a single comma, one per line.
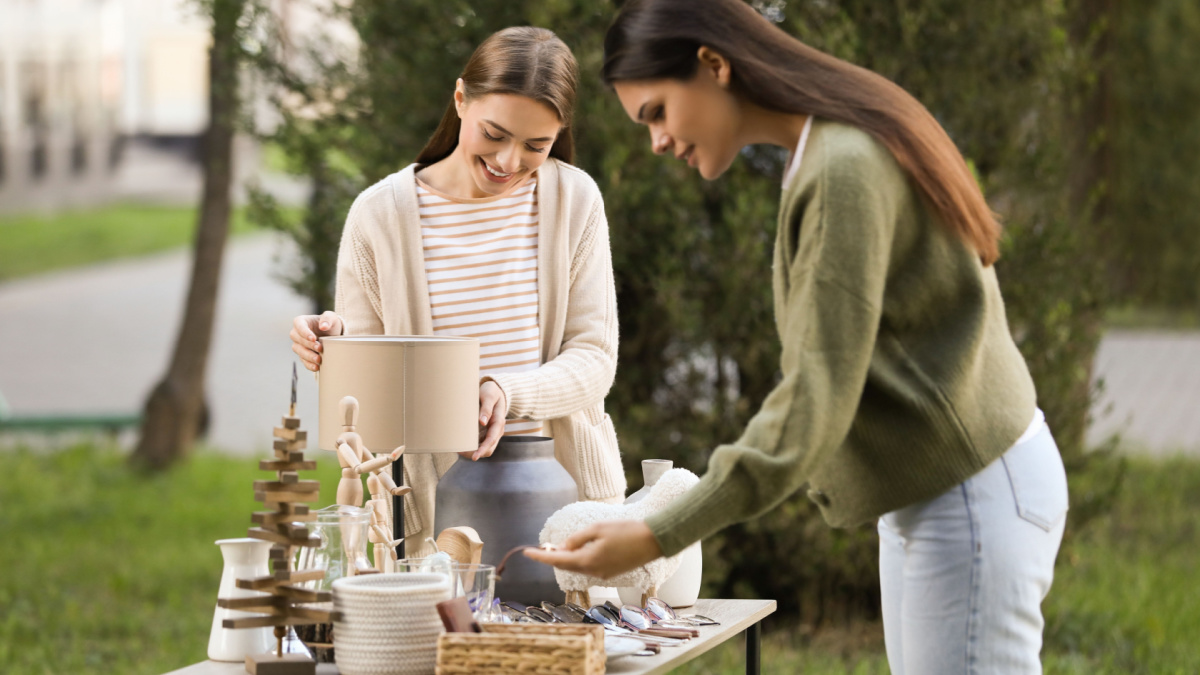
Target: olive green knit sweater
(900,377)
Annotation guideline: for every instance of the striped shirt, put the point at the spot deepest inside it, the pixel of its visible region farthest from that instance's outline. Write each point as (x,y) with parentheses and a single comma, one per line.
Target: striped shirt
(481,266)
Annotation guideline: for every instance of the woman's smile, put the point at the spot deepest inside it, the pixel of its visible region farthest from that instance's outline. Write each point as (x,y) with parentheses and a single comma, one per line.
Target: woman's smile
(493,174)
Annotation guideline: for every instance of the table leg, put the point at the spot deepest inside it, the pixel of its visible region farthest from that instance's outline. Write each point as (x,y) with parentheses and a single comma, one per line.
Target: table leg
(753,644)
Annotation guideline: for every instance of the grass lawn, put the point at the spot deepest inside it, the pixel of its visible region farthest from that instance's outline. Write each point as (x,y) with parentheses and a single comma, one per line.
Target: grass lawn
(34,244)
(110,571)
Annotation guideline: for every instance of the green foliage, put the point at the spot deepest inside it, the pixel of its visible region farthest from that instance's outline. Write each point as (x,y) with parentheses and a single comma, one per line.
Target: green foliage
(31,244)
(1153,232)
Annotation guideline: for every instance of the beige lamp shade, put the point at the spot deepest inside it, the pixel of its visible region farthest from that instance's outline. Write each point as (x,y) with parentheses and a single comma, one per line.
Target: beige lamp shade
(421,392)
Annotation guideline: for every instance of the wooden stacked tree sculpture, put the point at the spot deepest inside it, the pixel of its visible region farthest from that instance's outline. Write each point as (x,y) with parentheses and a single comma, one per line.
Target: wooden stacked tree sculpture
(284,526)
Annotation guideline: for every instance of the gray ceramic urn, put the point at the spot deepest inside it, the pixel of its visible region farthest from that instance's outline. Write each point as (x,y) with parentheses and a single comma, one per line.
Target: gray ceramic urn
(507,498)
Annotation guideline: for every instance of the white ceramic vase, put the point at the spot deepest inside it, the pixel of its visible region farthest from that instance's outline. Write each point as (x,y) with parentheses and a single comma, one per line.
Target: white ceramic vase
(244,559)
(682,588)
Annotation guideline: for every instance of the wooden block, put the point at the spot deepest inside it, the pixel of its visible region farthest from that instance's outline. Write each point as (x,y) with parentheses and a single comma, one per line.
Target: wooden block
(283,433)
(277,465)
(288,477)
(285,497)
(298,486)
(288,664)
(298,576)
(279,579)
(278,538)
(277,553)
(291,422)
(290,446)
(289,455)
(270,620)
(258,583)
(270,519)
(293,530)
(269,604)
(293,509)
(299,594)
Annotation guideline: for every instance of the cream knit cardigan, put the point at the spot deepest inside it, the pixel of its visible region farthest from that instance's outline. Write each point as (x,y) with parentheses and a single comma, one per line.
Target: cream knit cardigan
(382,290)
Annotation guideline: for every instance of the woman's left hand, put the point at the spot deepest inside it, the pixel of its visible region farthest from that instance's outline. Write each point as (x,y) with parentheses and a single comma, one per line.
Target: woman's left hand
(493,408)
(603,550)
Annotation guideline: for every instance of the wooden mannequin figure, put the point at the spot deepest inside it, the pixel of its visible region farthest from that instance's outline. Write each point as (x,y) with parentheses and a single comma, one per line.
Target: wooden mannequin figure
(356,460)
(380,530)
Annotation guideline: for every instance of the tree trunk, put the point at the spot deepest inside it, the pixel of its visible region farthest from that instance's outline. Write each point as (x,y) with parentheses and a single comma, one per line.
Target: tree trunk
(175,408)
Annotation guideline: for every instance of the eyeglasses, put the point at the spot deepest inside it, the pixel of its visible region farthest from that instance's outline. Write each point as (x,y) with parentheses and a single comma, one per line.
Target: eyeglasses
(665,614)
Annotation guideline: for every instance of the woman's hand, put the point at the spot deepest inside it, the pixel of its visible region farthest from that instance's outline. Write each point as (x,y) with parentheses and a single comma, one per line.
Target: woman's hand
(493,409)
(603,550)
(306,329)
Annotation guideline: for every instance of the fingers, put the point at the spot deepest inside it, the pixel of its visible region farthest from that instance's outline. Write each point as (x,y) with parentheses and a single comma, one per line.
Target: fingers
(582,538)
(329,323)
(308,357)
(495,429)
(491,417)
(571,561)
(306,329)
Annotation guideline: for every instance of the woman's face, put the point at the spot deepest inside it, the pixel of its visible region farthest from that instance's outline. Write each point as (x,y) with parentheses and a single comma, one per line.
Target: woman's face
(504,138)
(697,120)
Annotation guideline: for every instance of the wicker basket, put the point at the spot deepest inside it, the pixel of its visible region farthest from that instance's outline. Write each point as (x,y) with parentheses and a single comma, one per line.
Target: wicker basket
(543,648)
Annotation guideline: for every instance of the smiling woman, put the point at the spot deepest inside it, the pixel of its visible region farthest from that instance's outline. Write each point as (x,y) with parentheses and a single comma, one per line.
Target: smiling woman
(492,234)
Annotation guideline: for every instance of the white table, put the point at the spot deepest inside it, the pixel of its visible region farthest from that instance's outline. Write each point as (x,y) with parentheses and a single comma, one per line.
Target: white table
(735,617)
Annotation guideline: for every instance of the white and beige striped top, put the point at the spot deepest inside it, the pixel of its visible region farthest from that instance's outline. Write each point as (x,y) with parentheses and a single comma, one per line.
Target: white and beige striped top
(481,266)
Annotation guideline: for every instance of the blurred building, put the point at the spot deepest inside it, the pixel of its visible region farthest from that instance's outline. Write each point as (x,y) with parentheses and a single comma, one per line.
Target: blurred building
(84,82)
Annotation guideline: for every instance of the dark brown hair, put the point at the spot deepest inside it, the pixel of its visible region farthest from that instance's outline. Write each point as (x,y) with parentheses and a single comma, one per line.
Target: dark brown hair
(523,61)
(655,39)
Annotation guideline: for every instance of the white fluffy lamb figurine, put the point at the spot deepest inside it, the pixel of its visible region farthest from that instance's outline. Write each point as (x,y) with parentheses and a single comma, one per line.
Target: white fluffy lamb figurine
(575,517)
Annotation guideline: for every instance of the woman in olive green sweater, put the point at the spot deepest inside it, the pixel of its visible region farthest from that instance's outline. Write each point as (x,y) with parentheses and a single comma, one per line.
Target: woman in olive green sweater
(903,398)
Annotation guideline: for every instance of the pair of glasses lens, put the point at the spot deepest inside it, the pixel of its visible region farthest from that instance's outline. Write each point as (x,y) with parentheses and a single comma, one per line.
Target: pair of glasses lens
(665,614)
(540,615)
(636,617)
(563,613)
(660,610)
(603,614)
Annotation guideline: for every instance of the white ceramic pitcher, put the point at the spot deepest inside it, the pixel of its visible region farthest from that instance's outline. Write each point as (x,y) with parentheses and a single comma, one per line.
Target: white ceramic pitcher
(244,559)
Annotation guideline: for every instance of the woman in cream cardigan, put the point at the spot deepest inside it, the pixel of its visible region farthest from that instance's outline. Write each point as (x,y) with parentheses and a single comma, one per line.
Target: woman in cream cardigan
(493,234)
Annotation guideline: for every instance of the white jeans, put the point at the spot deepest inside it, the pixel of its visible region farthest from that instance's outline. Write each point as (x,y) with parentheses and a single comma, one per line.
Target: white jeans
(963,575)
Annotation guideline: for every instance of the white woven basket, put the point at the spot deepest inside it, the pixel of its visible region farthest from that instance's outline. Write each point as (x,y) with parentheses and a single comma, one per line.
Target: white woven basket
(389,623)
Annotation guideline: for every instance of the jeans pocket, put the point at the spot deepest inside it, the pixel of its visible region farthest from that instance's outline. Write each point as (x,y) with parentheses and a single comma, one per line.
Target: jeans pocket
(1039,482)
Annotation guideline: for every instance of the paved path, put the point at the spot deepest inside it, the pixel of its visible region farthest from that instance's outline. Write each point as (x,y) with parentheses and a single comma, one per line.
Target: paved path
(1150,391)
(97,339)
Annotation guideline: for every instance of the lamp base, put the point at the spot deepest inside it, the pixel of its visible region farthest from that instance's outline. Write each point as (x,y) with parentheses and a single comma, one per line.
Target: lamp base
(288,664)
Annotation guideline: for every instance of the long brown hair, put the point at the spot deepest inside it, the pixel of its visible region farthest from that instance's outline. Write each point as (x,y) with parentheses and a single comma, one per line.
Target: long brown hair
(524,61)
(655,39)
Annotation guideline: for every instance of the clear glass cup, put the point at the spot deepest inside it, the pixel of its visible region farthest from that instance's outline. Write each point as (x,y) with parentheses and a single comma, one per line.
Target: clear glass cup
(343,534)
(476,583)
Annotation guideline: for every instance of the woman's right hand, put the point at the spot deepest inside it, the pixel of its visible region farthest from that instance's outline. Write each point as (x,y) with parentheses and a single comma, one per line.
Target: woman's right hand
(305,331)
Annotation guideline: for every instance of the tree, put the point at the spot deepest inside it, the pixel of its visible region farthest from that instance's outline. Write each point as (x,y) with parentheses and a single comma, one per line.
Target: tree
(175,407)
